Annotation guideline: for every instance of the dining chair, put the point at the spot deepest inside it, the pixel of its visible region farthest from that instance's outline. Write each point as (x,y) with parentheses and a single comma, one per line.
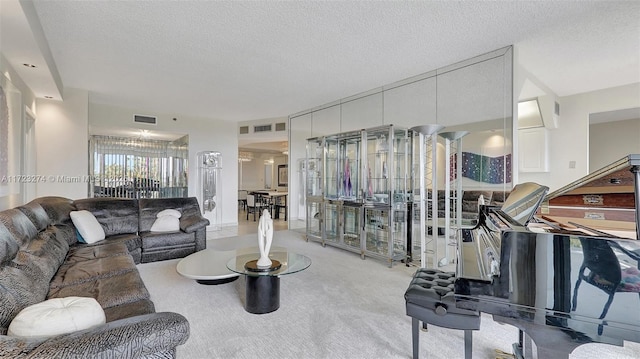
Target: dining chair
(253,206)
(242,198)
(279,203)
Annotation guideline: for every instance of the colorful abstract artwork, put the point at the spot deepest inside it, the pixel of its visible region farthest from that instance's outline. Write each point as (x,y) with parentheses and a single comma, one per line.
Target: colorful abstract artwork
(493,170)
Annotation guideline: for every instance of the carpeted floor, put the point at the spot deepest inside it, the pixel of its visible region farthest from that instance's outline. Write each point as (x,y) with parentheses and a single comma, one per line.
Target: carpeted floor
(340,307)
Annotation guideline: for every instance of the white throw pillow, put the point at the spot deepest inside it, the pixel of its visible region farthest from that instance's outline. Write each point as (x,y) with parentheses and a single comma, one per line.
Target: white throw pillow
(87,225)
(57,316)
(166,224)
(169,212)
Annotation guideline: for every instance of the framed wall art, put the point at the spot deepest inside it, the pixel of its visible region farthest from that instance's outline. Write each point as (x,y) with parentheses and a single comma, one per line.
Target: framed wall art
(283,175)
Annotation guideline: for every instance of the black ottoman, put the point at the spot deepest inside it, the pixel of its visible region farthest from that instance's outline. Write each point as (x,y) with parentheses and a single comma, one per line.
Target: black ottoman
(430,299)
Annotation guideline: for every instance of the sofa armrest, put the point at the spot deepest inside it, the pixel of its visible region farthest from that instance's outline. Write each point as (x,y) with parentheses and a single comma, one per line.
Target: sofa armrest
(190,224)
(134,337)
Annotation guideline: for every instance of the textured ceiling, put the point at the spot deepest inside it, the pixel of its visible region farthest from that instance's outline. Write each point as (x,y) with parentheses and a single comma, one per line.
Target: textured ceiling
(261,59)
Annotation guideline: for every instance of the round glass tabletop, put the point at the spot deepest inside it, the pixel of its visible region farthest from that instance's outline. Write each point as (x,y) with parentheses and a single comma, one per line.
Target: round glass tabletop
(289,262)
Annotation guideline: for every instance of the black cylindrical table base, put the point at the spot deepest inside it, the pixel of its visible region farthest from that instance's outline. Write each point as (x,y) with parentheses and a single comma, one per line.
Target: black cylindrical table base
(262,294)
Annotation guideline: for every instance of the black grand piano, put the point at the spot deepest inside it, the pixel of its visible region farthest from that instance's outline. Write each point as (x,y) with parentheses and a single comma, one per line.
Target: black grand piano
(561,267)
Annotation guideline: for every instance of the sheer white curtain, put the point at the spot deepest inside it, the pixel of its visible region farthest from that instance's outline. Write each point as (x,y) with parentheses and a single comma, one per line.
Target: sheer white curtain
(138,168)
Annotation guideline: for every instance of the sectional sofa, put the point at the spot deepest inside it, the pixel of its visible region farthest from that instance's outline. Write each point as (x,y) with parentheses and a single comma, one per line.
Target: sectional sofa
(41,261)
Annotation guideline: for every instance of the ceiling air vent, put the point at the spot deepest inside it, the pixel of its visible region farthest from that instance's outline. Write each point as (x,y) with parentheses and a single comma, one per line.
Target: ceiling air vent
(281,126)
(244,130)
(262,128)
(145,119)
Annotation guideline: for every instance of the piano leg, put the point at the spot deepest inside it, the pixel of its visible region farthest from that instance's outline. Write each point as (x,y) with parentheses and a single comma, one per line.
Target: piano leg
(415,337)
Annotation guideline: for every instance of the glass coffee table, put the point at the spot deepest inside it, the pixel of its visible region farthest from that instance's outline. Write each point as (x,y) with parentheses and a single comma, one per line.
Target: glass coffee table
(263,285)
(208,266)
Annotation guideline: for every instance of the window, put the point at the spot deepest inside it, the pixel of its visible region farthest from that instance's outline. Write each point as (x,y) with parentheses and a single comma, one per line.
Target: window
(138,168)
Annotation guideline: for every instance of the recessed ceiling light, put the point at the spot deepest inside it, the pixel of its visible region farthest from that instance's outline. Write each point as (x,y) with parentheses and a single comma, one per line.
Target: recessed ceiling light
(29,65)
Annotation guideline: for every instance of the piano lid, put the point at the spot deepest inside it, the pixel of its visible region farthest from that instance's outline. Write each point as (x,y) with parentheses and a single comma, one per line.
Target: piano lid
(523,202)
(605,202)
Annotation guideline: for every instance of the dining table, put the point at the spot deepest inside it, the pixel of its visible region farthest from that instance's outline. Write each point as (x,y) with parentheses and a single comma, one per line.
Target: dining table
(273,198)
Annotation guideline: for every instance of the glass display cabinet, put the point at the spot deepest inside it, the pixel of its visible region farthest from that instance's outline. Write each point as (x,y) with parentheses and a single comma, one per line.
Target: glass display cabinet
(388,192)
(366,191)
(313,189)
(343,190)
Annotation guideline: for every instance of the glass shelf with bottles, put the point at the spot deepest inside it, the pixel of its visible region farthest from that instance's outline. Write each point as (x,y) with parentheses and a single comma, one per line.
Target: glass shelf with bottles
(343,156)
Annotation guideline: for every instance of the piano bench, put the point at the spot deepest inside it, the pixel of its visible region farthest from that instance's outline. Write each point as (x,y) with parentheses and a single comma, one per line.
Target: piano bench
(430,299)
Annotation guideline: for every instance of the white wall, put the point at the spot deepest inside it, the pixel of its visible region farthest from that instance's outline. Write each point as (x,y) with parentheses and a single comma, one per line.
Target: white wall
(28,100)
(570,141)
(62,138)
(204,135)
(253,172)
(624,134)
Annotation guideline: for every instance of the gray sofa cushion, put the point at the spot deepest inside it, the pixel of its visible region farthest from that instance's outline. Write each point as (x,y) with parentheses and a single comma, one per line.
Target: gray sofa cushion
(57,208)
(109,292)
(22,283)
(19,225)
(36,214)
(131,240)
(17,291)
(83,252)
(76,272)
(151,240)
(193,223)
(139,307)
(8,246)
(116,215)
(24,280)
(49,252)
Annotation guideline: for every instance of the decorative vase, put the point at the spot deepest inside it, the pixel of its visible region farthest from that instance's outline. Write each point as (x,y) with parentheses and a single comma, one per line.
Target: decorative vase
(265,237)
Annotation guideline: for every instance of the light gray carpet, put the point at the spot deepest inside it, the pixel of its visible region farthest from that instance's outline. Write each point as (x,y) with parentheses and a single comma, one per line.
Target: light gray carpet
(340,307)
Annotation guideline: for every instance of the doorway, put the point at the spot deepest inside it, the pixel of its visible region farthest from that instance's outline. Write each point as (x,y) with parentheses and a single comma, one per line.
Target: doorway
(257,175)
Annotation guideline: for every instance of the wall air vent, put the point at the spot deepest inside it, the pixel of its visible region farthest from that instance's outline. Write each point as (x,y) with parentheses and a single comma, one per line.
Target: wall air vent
(151,120)
(281,126)
(244,130)
(262,128)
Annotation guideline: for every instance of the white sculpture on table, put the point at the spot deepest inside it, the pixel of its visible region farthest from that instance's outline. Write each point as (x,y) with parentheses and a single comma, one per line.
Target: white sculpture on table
(265,236)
